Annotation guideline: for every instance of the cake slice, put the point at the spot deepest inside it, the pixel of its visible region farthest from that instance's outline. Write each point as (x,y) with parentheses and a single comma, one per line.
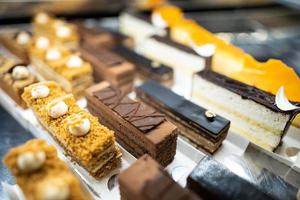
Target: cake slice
(212,180)
(14,77)
(41,174)
(83,138)
(139,128)
(63,66)
(146,67)
(145,179)
(203,127)
(17,43)
(252,112)
(109,66)
(102,36)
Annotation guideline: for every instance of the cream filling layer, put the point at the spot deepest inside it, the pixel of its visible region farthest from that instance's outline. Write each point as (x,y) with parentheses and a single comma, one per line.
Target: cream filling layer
(137,28)
(250,119)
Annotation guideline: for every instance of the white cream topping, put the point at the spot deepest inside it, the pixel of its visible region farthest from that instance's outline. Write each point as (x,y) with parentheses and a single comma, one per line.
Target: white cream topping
(63,31)
(30,161)
(74,61)
(80,128)
(42,18)
(282,101)
(20,72)
(40,91)
(205,50)
(158,21)
(53,54)
(23,38)
(42,43)
(55,189)
(58,109)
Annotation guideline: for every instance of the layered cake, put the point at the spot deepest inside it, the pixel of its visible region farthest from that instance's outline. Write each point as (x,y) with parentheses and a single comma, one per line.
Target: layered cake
(101,36)
(147,68)
(252,112)
(145,179)
(63,66)
(57,30)
(83,138)
(17,44)
(41,175)
(154,24)
(212,180)
(14,77)
(109,66)
(200,125)
(139,128)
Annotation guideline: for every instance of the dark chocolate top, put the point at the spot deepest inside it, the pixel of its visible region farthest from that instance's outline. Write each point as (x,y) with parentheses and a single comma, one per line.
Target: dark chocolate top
(141,62)
(245,91)
(168,41)
(163,187)
(139,115)
(103,55)
(184,109)
(212,180)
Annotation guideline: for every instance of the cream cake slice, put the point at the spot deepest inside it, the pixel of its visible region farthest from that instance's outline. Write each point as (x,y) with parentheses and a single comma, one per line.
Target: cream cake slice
(252,112)
(83,138)
(41,175)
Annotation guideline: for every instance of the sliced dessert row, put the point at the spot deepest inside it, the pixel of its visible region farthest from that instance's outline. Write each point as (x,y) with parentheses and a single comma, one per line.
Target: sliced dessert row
(41,175)
(209,180)
(139,128)
(82,137)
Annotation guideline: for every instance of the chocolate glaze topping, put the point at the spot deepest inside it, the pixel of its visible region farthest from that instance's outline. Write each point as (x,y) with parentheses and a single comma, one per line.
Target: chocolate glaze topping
(184,109)
(139,115)
(168,41)
(141,62)
(245,91)
(103,55)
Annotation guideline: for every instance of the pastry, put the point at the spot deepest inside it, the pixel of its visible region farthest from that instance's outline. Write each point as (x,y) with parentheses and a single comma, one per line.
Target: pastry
(202,126)
(87,142)
(41,174)
(145,179)
(63,66)
(17,44)
(139,128)
(145,67)
(59,31)
(212,180)
(109,66)
(252,112)
(14,77)
(101,36)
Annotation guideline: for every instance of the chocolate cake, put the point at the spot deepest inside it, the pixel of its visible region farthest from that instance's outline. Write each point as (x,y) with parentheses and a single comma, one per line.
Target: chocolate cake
(211,180)
(155,184)
(139,128)
(146,67)
(252,112)
(109,66)
(195,122)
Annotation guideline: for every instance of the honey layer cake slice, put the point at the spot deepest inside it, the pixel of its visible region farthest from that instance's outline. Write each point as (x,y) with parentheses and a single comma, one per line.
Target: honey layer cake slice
(89,143)
(41,174)
(139,128)
(195,122)
(145,179)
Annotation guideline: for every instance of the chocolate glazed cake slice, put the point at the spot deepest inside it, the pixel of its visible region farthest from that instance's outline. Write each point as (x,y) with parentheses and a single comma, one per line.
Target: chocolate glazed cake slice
(109,66)
(146,67)
(252,112)
(156,184)
(196,123)
(139,128)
